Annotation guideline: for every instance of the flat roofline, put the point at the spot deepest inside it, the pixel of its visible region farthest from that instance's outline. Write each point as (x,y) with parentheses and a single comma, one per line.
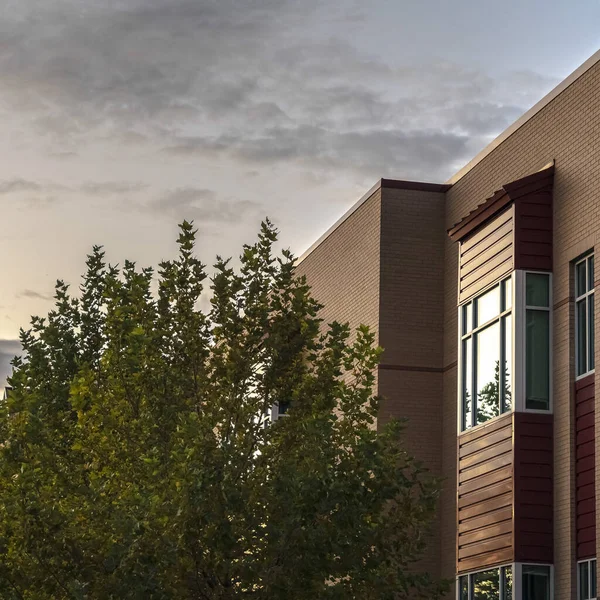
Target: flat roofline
(536,108)
(397,184)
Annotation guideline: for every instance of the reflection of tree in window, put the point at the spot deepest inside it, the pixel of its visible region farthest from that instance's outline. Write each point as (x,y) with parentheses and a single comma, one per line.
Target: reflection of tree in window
(486,585)
(488,399)
(486,343)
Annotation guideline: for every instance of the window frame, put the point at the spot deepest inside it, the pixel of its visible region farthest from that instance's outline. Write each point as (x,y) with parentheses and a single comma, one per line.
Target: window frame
(518,312)
(471,574)
(472,333)
(520,351)
(589,292)
(580,562)
(517,579)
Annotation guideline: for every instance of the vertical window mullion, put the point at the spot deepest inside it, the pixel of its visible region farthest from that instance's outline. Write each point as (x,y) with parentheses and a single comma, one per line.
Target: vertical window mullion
(474,381)
(587,325)
(501,378)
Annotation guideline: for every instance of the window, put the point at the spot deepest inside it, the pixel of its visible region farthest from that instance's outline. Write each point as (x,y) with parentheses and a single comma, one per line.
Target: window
(279,409)
(535,582)
(486,355)
(510,582)
(537,341)
(586,580)
(584,316)
(493,584)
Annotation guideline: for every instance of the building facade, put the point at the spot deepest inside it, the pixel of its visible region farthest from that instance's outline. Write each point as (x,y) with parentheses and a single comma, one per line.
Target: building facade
(482,293)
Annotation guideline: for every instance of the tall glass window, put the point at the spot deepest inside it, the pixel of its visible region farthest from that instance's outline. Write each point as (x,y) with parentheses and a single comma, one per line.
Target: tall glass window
(586,580)
(584,316)
(486,347)
(537,341)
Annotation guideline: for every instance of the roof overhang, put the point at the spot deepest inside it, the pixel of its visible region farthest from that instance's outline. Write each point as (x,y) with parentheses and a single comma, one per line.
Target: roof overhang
(495,204)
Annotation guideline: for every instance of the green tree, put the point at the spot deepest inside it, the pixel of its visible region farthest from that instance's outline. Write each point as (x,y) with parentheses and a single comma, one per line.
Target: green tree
(137,461)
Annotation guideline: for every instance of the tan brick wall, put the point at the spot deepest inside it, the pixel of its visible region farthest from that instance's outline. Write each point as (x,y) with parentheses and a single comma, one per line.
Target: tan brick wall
(567,130)
(383,266)
(343,269)
(400,296)
(411,326)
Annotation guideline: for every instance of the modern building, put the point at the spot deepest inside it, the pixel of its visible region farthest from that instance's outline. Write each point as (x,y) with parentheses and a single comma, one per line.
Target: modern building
(482,291)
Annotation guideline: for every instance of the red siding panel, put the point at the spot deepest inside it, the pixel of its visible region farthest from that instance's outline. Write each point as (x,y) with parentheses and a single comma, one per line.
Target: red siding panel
(585,467)
(533,487)
(533,221)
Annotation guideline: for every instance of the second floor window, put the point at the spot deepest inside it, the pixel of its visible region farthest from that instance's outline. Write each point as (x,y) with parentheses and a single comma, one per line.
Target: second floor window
(537,341)
(584,316)
(486,347)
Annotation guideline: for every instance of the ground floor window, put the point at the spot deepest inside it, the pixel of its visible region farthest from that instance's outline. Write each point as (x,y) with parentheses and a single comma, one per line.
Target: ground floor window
(493,584)
(586,580)
(509,582)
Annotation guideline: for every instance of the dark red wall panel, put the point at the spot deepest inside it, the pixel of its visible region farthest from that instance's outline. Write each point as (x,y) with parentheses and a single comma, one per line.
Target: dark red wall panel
(585,467)
(533,225)
(533,484)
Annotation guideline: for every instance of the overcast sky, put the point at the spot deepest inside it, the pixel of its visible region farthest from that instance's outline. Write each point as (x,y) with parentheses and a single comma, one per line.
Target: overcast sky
(120,118)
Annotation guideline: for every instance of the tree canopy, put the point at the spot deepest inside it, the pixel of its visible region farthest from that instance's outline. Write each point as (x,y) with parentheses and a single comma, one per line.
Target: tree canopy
(137,460)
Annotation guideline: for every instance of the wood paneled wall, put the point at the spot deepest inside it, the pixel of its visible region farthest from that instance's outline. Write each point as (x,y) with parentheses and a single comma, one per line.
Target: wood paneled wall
(485,495)
(505,492)
(533,487)
(585,467)
(487,255)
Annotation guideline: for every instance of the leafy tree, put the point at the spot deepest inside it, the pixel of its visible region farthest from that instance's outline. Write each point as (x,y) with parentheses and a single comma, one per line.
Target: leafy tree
(137,461)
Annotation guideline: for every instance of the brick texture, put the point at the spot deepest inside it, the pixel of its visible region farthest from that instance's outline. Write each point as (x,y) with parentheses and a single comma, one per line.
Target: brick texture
(568,131)
(391,266)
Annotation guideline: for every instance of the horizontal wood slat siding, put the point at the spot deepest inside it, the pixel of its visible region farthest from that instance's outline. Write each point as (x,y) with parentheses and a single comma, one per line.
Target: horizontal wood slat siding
(585,467)
(487,255)
(533,224)
(485,495)
(533,484)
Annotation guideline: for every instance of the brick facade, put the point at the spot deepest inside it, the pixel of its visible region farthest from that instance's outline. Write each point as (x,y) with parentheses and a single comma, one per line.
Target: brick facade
(391,265)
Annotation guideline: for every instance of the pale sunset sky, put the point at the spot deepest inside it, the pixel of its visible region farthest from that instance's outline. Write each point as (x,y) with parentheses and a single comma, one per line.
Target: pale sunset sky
(120,118)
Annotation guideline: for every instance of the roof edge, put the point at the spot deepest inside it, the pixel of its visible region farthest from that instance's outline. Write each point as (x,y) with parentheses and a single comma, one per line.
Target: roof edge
(507,194)
(398,184)
(536,108)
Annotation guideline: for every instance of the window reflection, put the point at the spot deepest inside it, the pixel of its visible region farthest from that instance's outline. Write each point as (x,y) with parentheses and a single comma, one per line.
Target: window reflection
(507,360)
(488,305)
(538,359)
(486,585)
(487,377)
(536,582)
(468,382)
(486,355)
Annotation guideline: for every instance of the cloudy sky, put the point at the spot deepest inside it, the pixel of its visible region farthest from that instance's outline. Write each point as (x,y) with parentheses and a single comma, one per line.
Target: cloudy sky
(120,118)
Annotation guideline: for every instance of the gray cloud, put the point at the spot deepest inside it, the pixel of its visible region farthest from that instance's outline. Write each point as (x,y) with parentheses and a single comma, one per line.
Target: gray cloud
(104,188)
(203,206)
(27,293)
(12,186)
(39,193)
(247,79)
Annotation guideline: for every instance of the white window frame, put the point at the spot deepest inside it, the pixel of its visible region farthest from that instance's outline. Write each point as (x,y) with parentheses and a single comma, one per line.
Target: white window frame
(471,334)
(517,581)
(587,560)
(520,340)
(275,414)
(583,296)
(518,336)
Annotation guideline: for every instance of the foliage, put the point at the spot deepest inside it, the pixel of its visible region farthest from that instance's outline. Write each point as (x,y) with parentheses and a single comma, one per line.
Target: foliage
(136,462)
